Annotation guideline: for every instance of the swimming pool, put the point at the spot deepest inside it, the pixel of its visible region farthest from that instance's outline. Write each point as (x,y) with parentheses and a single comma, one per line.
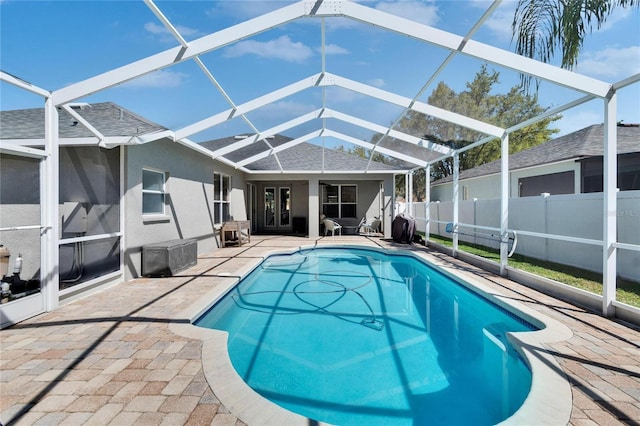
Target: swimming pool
(358,336)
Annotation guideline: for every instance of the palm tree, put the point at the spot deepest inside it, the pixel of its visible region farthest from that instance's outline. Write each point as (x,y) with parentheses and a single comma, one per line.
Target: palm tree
(542,26)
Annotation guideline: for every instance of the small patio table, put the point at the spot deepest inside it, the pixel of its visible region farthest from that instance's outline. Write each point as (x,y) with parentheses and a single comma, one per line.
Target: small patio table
(236,228)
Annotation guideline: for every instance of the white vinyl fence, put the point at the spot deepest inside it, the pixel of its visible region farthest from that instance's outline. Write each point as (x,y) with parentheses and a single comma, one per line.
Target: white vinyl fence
(577,216)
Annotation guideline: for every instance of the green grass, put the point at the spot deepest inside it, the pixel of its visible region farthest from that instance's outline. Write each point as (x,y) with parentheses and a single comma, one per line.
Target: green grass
(627,291)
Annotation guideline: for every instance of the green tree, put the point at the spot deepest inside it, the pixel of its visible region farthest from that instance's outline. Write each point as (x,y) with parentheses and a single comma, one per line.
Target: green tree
(541,27)
(477,101)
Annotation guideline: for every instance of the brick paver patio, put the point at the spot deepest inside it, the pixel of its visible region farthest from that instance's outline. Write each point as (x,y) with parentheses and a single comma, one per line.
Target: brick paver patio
(111,359)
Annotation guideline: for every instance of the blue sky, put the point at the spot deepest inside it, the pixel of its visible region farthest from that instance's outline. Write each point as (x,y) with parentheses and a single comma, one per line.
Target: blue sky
(54,44)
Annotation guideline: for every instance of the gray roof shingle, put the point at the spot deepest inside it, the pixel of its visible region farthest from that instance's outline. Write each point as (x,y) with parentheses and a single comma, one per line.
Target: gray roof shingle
(112,120)
(107,117)
(301,157)
(587,142)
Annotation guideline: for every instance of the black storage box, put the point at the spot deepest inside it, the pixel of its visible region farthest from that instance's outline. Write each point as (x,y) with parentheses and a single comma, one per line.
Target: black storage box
(300,225)
(169,257)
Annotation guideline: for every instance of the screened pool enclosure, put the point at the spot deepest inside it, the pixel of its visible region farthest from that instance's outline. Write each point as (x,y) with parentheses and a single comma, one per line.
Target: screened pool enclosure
(242,100)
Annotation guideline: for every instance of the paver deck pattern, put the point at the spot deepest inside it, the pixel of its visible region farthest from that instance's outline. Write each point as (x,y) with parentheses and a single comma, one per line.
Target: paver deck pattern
(111,359)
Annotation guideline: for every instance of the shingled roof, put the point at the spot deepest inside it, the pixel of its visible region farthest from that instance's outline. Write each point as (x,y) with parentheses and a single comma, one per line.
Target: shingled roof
(112,120)
(301,157)
(587,142)
(108,118)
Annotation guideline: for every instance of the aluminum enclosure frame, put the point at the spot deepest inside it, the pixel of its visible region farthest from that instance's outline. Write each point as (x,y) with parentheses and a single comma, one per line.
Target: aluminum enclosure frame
(455,44)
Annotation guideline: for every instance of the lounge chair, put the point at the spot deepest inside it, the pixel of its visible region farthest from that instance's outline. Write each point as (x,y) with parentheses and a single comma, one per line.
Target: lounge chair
(331,226)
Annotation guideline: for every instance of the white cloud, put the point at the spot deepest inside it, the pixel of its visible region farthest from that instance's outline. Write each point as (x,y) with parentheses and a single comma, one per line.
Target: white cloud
(618,14)
(376,82)
(341,23)
(611,63)
(154,28)
(500,21)
(165,35)
(500,24)
(340,95)
(419,11)
(281,48)
(334,49)
(246,9)
(578,119)
(158,79)
(284,109)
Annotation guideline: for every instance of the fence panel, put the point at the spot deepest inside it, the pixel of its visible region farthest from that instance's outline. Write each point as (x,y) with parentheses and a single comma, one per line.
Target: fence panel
(574,215)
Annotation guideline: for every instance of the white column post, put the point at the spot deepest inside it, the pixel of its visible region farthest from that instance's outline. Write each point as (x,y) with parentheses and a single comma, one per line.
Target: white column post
(504,202)
(388,204)
(393,198)
(610,173)
(314,207)
(427,202)
(124,174)
(456,202)
(406,192)
(49,206)
(410,194)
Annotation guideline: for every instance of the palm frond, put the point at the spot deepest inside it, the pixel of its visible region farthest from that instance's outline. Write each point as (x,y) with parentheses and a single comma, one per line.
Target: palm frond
(542,27)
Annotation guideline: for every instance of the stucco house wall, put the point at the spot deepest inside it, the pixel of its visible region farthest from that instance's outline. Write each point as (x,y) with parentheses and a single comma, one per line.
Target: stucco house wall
(371,200)
(488,186)
(188,201)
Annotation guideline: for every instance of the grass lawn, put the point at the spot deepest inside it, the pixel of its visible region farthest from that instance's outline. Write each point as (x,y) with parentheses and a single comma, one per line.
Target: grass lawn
(627,291)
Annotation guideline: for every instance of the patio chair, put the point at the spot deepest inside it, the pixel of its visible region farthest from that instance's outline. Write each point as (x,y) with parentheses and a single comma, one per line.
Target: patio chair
(333,226)
(370,227)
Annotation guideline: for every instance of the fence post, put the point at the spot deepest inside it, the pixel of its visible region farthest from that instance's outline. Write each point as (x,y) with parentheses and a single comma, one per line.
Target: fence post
(545,196)
(475,220)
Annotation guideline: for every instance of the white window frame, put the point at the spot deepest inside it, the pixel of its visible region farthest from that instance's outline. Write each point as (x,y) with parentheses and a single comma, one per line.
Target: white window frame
(162,191)
(219,203)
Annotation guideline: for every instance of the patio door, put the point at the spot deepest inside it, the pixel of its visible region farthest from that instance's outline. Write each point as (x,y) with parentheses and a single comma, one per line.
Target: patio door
(277,209)
(252,206)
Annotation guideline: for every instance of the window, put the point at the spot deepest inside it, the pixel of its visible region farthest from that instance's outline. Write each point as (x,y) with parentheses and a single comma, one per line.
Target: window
(221,187)
(153,191)
(553,183)
(339,201)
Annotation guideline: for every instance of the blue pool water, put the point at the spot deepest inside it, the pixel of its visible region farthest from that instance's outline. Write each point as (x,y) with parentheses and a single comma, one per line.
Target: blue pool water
(358,336)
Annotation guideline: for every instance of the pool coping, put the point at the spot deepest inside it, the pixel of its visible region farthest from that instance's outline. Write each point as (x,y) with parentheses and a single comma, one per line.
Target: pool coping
(549,401)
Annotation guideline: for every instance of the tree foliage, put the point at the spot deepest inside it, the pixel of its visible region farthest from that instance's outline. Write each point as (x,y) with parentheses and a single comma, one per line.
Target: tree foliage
(476,101)
(542,27)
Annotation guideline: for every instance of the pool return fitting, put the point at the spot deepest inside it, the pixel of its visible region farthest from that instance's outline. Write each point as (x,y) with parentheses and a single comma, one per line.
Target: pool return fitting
(450,229)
